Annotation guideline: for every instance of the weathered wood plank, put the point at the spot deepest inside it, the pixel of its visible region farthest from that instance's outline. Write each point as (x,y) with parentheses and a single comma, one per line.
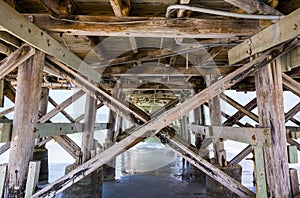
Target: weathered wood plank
(253,136)
(15,59)
(215,119)
(269,91)
(26,115)
(239,115)
(61,106)
(157,123)
(88,128)
(3,169)
(5,132)
(49,129)
(68,145)
(62,111)
(254,6)
(294,181)
(291,113)
(32,178)
(20,27)
(121,7)
(239,107)
(285,29)
(291,84)
(4,147)
(260,173)
(4,36)
(239,157)
(56,7)
(148,26)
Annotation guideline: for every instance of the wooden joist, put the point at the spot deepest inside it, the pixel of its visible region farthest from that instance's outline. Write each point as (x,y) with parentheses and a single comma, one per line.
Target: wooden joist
(17,25)
(284,30)
(153,126)
(147,26)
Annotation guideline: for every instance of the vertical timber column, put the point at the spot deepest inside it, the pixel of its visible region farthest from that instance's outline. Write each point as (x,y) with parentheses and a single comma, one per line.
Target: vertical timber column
(91,185)
(268,82)
(41,153)
(215,120)
(89,123)
(109,169)
(24,123)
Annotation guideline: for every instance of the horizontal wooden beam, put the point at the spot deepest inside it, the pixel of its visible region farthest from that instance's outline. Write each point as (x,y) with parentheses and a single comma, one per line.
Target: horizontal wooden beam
(49,129)
(253,136)
(152,70)
(153,126)
(147,26)
(17,25)
(285,29)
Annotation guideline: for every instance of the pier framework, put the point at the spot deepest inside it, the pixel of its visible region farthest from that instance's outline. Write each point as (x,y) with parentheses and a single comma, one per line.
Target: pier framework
(151,70)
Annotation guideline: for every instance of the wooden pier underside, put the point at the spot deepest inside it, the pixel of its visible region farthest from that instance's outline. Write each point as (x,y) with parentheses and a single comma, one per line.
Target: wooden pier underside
(150,70)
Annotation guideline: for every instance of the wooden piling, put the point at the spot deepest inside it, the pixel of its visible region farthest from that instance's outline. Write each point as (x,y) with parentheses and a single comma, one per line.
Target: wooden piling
(88,127)
(215,120)
(268,82)
(24,123)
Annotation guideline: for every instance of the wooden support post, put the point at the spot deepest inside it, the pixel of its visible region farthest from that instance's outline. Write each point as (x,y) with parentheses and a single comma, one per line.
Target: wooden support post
(215,120)
(3,169)
(88,128)
(2,92)
(112,123)
(294,181)
(32,178)
(260,173)
(24,122)
(268,81)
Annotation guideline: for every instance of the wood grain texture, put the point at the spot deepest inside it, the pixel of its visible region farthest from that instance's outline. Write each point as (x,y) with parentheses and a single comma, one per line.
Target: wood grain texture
(268,81)
(24,122)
